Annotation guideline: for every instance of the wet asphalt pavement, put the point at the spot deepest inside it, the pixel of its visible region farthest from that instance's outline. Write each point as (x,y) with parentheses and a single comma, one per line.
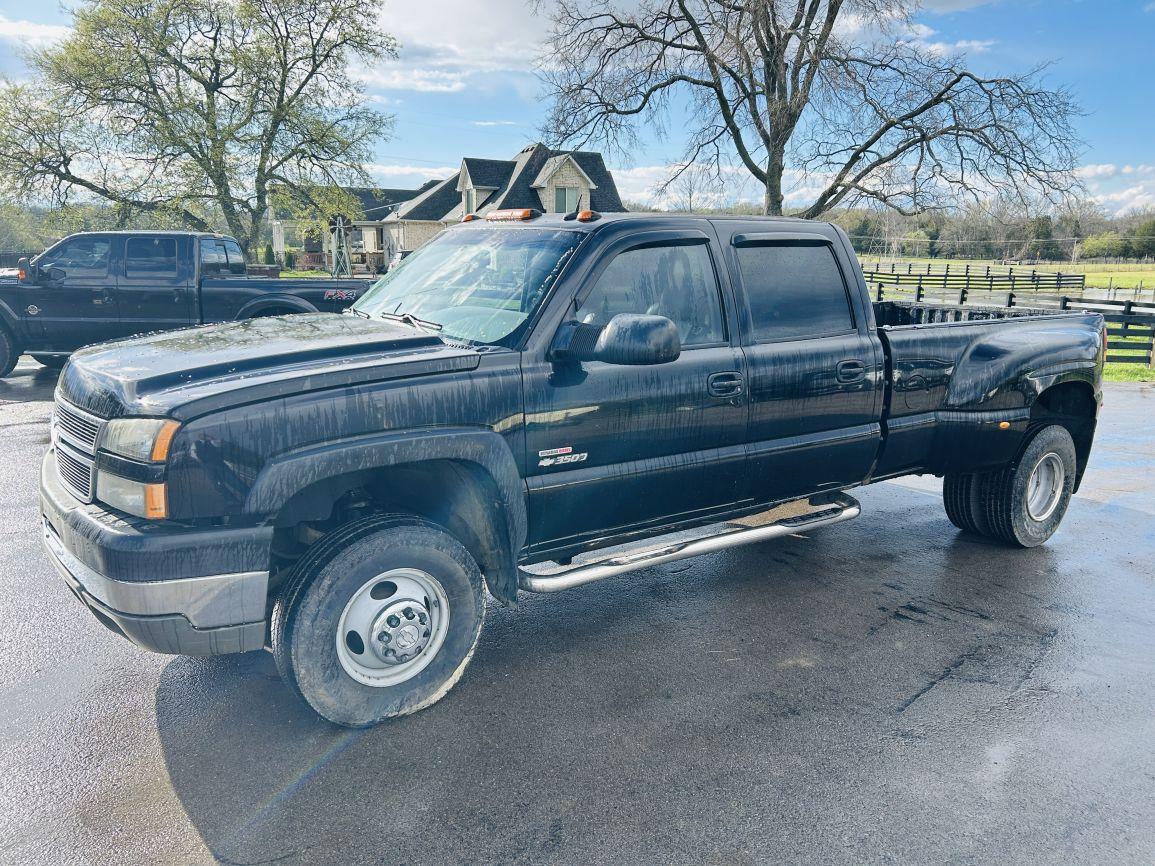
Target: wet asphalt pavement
(886,690)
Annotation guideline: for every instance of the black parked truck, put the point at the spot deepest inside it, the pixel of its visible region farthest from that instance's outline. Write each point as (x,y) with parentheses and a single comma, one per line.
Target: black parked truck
(98,286)
(531,403)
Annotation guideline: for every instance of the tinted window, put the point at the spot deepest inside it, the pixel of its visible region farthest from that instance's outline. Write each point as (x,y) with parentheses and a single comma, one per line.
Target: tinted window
(145,257)
(80,257)
(794,290)
(236,258)
(676,282)
(213,259)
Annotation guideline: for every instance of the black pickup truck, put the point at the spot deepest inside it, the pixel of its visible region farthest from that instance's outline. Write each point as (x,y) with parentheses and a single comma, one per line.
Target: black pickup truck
(531,403)
(98,286)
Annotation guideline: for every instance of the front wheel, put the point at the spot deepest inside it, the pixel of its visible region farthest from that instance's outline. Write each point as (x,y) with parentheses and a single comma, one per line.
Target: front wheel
(9,353)
(52,362)
(378,620)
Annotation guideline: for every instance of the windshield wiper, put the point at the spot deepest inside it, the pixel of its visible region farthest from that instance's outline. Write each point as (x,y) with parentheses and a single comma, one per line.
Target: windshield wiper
(411,320)
(357,313)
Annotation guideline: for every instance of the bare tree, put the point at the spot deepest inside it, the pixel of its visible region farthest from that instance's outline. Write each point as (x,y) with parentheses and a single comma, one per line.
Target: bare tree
(840,96)
(197,109)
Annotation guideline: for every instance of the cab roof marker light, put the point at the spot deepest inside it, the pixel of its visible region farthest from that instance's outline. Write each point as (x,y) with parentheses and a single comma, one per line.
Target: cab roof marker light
(513,214)
(588,216)
(469,217)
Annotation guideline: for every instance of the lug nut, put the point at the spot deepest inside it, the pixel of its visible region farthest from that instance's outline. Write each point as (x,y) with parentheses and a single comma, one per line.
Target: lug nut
(421,618)
(393,621)
(409,613)
(384,637)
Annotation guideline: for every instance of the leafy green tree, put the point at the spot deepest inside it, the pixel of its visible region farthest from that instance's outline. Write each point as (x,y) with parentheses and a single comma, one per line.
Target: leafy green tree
(1041,243)
(1108,245)
(1143,240)
(197,109)
(270,256)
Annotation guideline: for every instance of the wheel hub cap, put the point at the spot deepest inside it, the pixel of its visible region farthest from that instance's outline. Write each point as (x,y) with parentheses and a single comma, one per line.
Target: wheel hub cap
(392,627)
(401,632)
(1045,486)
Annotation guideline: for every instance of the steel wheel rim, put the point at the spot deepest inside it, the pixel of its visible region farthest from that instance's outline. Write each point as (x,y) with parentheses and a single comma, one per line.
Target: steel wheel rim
(381,638)
(1045,486)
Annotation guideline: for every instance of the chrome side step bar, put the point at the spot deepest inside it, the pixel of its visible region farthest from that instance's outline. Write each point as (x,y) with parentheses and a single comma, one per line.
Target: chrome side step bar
(842,508)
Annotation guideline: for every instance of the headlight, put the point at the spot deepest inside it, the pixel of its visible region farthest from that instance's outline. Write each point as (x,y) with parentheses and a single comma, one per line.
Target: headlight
(144,439)
(135,497)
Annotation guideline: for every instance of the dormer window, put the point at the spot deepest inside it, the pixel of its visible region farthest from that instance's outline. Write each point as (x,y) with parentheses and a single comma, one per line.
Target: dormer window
(470,201)
(565,199)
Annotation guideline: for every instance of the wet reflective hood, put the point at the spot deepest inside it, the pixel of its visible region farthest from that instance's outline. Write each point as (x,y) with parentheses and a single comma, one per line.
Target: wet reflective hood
(189,372)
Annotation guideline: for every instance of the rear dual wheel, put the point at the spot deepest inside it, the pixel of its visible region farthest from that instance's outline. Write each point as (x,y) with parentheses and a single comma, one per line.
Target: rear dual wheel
(1023,503)
(380,619)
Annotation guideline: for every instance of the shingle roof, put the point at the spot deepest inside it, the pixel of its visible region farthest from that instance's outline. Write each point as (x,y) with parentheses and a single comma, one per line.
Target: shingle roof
(432,204)
(490,173)
(513,180)
(376,202)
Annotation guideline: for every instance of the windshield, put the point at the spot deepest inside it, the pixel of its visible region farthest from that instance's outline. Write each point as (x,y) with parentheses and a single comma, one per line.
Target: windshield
(480,284)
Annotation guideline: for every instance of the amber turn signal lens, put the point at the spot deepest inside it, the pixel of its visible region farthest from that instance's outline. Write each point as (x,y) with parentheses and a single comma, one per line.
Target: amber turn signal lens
(1004,425)
(163,440)
(469,217)
(588,216)
(155,502)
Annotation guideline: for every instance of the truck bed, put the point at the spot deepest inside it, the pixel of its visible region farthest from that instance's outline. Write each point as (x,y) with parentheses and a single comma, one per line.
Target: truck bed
(897,314)
(953,369)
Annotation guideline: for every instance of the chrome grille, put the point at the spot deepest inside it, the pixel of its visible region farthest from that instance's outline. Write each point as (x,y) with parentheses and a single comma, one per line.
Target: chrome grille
(76,472)
(80,427)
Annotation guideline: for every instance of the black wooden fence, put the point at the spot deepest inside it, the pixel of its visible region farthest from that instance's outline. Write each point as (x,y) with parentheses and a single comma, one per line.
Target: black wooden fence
(972,277)
(1130,324)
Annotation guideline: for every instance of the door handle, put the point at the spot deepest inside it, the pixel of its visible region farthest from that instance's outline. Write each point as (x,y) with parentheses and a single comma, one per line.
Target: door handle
(727,384)
(851,371)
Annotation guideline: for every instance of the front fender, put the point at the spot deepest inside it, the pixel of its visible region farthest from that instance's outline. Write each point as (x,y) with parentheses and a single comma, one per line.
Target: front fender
(483,450)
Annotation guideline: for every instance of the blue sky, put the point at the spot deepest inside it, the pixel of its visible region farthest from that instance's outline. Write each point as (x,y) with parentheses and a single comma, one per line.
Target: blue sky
(464,84)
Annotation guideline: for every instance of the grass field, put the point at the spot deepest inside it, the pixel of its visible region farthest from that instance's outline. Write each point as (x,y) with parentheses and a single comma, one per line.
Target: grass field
(1099,276)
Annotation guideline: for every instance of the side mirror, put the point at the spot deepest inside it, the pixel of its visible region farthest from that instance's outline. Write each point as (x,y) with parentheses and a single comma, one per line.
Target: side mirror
(25,273)
(628,338)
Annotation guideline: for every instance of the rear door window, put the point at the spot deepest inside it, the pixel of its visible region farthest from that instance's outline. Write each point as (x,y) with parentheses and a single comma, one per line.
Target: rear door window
(150,257)
(236,258)
(795,290)
(214,262)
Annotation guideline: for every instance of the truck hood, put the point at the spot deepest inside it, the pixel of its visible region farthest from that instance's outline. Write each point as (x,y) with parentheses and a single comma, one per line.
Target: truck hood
(189,372)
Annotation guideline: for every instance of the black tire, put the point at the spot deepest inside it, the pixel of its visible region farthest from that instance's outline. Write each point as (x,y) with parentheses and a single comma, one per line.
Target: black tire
(309,608)
(52,362)
(9,353)
(956,497)
(962,495)
(1005,493)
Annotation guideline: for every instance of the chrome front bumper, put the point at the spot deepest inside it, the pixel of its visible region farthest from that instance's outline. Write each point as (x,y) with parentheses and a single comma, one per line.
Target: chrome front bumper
(210,615)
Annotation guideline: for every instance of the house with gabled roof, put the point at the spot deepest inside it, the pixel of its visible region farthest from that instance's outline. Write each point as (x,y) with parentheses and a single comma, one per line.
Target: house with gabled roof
(552,181)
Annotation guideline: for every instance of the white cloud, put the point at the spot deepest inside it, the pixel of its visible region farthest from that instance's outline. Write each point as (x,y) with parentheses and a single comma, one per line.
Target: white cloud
(31,33)
(391,171)
(1150,7)
(446,46)
(1119,188)
(1140,195)
(946,6)
(1099,170)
